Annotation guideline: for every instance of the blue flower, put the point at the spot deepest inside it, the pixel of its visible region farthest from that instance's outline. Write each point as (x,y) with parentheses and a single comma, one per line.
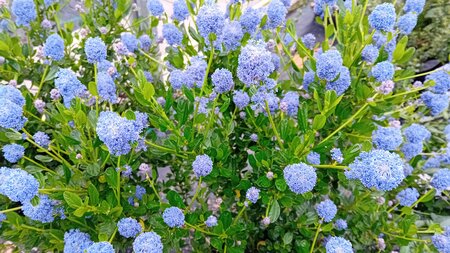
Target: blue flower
(252,194)
(286,3)
(202,165)
(42,139)
(289,104)
(383,71)
(13,152)
(116,132)
(407,22)
(408,196)
(340,224)
(148,242)
(254,63)
(414,6)
(260,98)
(329,65)
(210,19)
(100,247)
(76,241)
(250,20)
(441,179)
(155,7)
(254,137)
(145,42)
(129,227)
(379,39)
(18,185)
(338,245)
(313,158)
(106,87)
(172,35)
(25,11)
(202,105)
(342,83)
(437,103)
(54,47)
(11,114)
(177,79)
(432,162)
(107,67)
(140,192)
(196,72)
(241,98)
(378,169)
(68,85)
(300,177)
(276,14)
(442,81)
(416,133)
(309,40)
(2,218)
(370,53)
(42,212)
(383,17)
(95,50)
(336,155)
(13,94)
(387,138)
(222,80)
(180,10)
(231,35)
(173,217)
(326,210)
(130,41)
(410,150)
(211,221)
(308,78)
(441,242)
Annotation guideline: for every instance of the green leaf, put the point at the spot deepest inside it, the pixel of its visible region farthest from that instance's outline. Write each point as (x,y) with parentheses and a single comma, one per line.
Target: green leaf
(148,91)
(280,184)
(80,211)
(175,199)
(14,136)
(93,195)
(44,158)
(226,219)
(216,243)
(72,199)
(92,87)
(287,238)
(112,177)
(274,212)
(319,121)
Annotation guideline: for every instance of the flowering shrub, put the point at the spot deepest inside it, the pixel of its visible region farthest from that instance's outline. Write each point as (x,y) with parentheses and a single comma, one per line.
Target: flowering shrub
(203,131)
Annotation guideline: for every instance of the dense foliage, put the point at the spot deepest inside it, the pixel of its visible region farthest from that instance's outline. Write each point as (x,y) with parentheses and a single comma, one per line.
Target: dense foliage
(220,130)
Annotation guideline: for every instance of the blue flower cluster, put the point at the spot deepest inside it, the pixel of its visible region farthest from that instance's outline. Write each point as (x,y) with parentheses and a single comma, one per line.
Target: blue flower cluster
(222,80)
(195,73)
(329,65)
(148,242)
(180,10)
(414,6)
(309,40)
(42,212)
(407,22)
(383,17)
(100,247)
(336,155)
(254,63)
(407,197)
(76,241)
(231,35)
(290,103)
(437,103)
(379,169)
(342,83)
(210,20)
(172,35)
(129,227)
(441,179)
(411,150)
(441,81)
(241,99)
(42,139)
(18,185)
(383,71)
(130,41)
(250,20)
(308,78)
(11,103)
(211,221)
(276,14)
(106,87)
(326,210)
(68,85)
(340,224)
(145,42)
(301,178)
(202,165)
(416,133)
(95,50)
(155,7)
(370,53)
(13,152)
(54,47)
(387,138)
(338,245)
(25,11)
(117,133)
(252,194)
(313,158)
(173,217)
